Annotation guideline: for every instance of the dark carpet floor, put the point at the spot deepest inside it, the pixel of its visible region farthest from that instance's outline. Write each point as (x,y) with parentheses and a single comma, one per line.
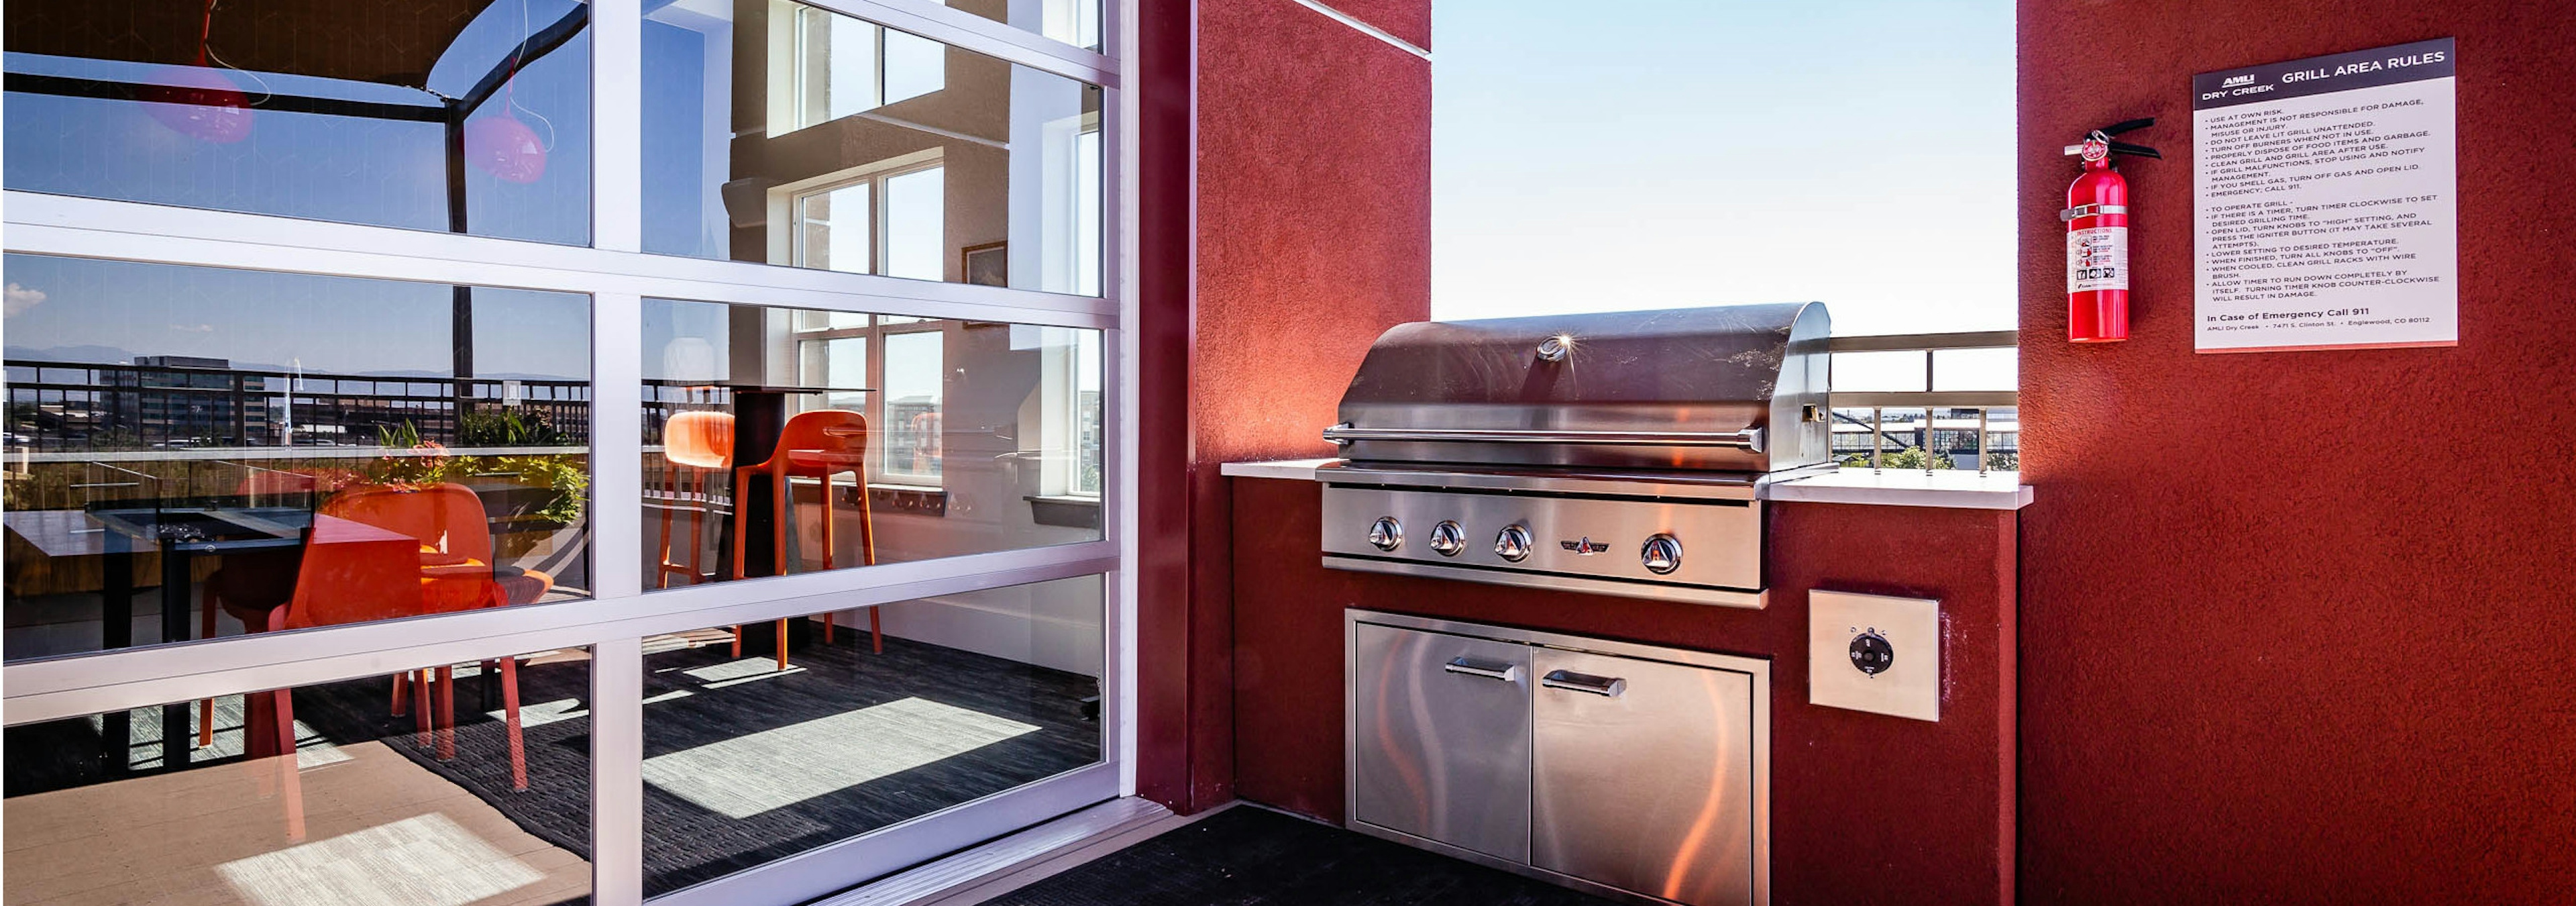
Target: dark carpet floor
(1248,856)
(685,843)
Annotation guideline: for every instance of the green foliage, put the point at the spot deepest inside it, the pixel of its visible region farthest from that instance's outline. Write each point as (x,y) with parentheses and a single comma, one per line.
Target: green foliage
(509,429)
(563,474)
(430,464)
(402,435)
(1908,458)
(1913,458)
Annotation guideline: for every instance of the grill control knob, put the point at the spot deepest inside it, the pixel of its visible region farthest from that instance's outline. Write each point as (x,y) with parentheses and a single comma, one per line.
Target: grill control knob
(1662,554)
(1386,534)
(1448,539)
(1871,654)
(1513,544)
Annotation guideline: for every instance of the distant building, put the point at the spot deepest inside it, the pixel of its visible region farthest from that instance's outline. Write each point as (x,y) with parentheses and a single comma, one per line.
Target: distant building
(169,400)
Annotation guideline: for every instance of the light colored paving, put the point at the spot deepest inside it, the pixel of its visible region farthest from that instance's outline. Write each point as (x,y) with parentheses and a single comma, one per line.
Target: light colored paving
(378,829)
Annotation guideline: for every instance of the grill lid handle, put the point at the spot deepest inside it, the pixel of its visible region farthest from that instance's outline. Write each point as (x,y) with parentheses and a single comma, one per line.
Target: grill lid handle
(1747,439)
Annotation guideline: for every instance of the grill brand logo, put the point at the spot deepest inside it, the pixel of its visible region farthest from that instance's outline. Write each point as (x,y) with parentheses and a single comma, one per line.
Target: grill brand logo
(2235,80)
(1586,547)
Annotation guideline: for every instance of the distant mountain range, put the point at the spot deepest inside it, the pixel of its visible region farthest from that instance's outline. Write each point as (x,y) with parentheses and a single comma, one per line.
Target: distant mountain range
(110,355)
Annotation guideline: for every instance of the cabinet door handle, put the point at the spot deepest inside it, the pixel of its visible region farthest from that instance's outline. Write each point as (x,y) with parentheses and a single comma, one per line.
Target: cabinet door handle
(1608,686)
(1486,669)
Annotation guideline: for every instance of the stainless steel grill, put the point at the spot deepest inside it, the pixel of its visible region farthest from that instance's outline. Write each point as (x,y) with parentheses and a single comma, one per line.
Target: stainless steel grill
(1622,453)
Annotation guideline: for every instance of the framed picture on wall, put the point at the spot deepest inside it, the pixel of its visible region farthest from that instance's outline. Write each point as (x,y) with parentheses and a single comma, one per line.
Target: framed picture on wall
(985,265)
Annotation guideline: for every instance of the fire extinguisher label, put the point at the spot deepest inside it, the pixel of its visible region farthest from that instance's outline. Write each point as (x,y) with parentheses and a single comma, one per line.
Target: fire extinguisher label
(2097,258)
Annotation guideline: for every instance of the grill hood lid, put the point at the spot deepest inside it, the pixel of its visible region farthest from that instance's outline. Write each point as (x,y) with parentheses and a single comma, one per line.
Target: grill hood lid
(1738,388)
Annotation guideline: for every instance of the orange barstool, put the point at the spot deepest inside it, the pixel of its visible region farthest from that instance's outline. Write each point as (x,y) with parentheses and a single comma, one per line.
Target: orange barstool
(818,445)
(693,444)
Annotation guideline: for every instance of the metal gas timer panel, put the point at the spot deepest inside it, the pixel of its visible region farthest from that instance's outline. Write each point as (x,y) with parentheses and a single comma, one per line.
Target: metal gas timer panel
(1622,453)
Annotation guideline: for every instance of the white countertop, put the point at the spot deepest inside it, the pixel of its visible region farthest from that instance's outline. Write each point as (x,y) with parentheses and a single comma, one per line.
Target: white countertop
(1950,488)
(1891,487)
(1298,469)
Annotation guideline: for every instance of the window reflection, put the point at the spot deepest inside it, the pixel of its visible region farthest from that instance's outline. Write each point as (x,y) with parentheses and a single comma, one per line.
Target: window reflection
(195,452)
(468,116)
(879,438)
(843,66)
(455,784)
(764,741)
(788,134)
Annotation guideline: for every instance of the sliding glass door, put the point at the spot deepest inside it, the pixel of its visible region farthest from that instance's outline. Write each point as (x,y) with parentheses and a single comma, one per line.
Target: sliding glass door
(542,451)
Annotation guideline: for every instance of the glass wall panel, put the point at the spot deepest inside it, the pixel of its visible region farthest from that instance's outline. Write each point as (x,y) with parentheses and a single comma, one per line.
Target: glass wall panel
(754,751)
(788,134)
(459,784)
(896,438)
(1075,22)
(469,116)
(195,452)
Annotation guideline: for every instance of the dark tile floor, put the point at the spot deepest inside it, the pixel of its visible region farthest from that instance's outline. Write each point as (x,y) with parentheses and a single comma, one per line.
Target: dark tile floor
(1246,856)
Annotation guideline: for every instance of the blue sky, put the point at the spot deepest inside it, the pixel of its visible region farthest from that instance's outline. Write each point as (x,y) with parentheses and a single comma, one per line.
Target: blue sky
(343,325)
(1662,153)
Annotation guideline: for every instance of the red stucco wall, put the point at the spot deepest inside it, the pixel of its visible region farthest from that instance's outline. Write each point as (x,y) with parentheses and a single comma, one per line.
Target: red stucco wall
(1865,808)
(2292,623)
(1301,168)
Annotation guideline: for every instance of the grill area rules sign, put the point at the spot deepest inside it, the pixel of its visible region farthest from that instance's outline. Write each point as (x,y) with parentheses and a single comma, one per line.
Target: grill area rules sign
(2323,202)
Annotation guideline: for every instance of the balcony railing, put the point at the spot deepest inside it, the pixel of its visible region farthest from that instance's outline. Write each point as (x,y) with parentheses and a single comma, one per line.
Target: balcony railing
(82,409)
(95,433)
(1930,428)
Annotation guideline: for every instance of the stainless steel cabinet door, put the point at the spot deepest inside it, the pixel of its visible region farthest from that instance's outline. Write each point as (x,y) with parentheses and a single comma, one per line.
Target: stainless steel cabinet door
(1644,776)
(1440,738)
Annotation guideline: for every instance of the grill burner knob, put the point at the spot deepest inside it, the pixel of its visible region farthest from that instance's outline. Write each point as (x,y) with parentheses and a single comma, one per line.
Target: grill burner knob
(1386,534)
(1513,544)
(1448,539)
(1662,554)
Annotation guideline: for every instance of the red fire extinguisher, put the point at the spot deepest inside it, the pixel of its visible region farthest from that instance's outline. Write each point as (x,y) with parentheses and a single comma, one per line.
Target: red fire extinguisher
(2097,238)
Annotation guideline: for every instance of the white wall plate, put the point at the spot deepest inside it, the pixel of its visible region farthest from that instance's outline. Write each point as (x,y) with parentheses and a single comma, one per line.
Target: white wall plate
(1874,653)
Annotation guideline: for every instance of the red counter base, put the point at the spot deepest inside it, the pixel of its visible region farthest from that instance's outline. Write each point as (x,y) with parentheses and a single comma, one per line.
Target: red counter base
(1865,808)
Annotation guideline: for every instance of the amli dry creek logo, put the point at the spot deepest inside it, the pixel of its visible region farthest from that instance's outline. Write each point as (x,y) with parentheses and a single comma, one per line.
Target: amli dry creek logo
(2235,80)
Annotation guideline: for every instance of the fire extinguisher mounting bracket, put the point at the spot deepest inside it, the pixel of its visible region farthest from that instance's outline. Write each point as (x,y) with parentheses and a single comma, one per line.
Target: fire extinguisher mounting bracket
(2104,134)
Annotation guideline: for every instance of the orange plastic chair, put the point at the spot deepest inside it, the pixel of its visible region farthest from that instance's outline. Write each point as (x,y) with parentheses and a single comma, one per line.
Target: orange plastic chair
(693,444)
(350,577)
(455,568)
(818,445)
(456,573)
(455,543)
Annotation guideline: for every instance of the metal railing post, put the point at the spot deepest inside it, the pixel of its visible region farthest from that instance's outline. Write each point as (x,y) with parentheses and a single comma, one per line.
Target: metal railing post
(1877,435)
(1981,439)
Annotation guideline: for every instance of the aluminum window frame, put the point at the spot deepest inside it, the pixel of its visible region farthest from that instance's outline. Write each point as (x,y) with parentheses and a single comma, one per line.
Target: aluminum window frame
(616,275)
(875,334)
(875,175)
